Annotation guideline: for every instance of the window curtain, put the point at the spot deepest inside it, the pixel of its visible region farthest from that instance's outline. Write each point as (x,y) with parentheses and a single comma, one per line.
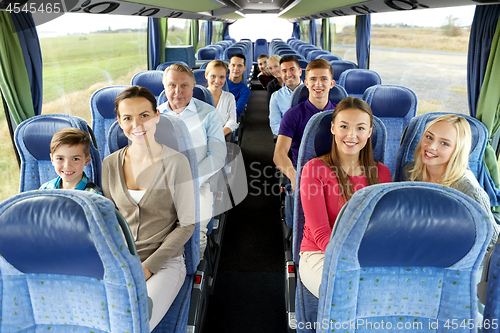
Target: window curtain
(32,54)
(209,32)
(312,32)
(14,78)
(325,34)
(157,36)
(194,34)
(225,31)
(488,112)
(363,32)
(296,30)
(481,35)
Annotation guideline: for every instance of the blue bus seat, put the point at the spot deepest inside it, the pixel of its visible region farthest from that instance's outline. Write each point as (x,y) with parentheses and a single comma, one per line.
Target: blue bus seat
(339,66)
(415,130)
(32,138)
(356,81)
(260,47)
(173,133)
(163,66)
(329,57)
(234,49)
(395,106)
(301,94)
(199,92)
(315,53)
(219,48)
(492,306)
(404,253)
(208,53)
(317,141)
(149,79)
(65,265)
(204,65)
(102,107)
(179,53)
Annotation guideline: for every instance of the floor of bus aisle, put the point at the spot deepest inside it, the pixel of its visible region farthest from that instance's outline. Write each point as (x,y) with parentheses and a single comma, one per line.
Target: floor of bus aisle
(249,288)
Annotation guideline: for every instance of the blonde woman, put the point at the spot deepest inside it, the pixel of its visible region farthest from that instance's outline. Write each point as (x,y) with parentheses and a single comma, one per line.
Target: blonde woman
(273,67)
(442,157)
(215,73)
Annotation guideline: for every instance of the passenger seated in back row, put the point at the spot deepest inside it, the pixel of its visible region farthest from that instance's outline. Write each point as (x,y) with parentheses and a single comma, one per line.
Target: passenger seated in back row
(319,81)
(264,76)
(236,83)
(69,154)
(273,67)
(282,99)
(329,181)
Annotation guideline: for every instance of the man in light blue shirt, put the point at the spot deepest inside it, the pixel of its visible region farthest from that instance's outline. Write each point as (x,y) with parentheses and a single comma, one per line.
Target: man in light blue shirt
(205,126)
(281,100)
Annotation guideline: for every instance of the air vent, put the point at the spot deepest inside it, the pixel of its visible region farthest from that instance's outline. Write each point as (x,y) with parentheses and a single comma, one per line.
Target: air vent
(260,1)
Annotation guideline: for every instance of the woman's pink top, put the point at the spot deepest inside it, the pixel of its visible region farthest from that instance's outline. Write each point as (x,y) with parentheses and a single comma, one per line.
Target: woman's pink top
(322,201)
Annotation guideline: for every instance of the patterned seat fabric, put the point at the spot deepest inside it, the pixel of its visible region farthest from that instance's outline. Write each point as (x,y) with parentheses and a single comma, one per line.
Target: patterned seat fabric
(395,106)
(356,81)
(149,79)
(102,106)
(65,266)
(406,255)
(33,138)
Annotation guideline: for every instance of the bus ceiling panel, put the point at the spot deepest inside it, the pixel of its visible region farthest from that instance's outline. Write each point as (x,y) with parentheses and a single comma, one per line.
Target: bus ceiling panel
(302,10)
(154,8)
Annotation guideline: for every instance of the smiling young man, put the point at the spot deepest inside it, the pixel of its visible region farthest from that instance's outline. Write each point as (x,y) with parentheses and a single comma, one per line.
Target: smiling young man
(205,126)
(319,81)
(235,82)
(281,100)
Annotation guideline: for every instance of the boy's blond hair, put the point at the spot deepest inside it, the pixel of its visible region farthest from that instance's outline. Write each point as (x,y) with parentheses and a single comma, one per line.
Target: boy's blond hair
(70,136)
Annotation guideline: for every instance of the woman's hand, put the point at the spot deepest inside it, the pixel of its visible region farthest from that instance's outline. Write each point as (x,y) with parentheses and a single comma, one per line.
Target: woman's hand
(147,272)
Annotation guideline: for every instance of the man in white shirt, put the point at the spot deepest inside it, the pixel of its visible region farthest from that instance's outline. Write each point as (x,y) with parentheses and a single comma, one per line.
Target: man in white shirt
(205,126)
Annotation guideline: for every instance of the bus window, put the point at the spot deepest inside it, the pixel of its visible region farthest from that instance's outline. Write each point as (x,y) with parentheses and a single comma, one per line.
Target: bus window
(304,31)
(9,169)
(79,58)
(343,37)
(317,32)
(427,53)
(251,27)
(202,34)
(217,32)
(179,32)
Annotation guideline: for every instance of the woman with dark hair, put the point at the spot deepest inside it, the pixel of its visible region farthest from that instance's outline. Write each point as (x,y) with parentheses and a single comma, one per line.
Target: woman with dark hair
(152,187)
(329,181)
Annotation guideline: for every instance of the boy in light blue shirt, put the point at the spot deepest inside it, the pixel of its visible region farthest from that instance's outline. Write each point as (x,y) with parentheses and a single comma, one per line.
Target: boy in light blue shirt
(70,153)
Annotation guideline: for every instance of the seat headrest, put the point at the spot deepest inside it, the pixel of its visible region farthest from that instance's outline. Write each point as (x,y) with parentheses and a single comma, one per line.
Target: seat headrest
(38,134)
(49,234)
(417,227)
(391,101)
(356,81)
(339,66)
(149,79)
(106,101)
